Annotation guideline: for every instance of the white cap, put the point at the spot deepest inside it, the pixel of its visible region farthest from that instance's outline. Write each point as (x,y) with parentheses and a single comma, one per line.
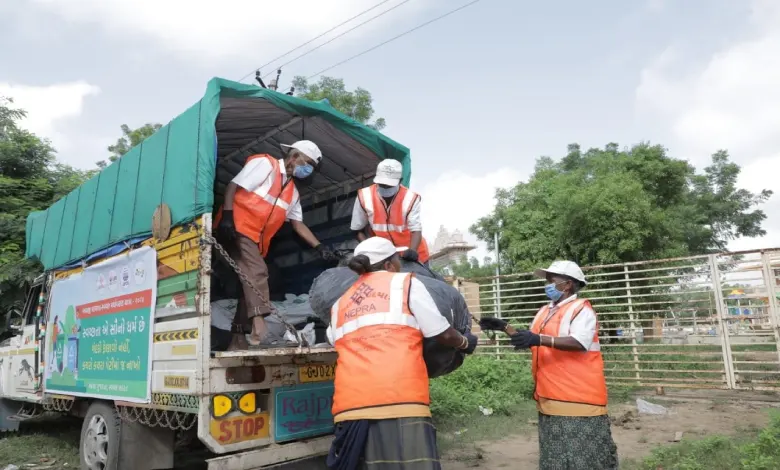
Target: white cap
(377,249)
(308,148)
(564,268)
(389,172)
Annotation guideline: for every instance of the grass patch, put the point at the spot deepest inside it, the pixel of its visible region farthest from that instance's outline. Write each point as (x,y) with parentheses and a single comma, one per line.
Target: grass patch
(756,452)
(481,381)
(50,441)
(459,436)
(505,387)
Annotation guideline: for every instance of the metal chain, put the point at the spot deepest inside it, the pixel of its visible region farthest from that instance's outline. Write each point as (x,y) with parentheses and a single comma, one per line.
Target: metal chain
(213,241)
(158,418)
(58,405)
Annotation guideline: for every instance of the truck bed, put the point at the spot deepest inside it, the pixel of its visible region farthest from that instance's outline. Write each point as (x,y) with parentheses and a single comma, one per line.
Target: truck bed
(275,352)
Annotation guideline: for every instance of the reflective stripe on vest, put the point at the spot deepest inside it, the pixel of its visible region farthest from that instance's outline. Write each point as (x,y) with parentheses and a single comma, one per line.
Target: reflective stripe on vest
(379,345)
(259,214)
(393,316)
(391,222)
(570,376)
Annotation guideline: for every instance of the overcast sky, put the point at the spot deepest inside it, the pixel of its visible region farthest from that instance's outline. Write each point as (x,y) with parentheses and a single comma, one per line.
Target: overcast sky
(477,97)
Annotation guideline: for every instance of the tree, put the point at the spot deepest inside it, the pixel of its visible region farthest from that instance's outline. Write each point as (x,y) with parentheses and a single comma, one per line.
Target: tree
(469,268)
(30,180)
(611,206)
(356,104)
(130,138)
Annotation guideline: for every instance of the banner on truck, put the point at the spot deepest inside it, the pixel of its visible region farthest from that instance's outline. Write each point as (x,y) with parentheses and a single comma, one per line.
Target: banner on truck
(99,329)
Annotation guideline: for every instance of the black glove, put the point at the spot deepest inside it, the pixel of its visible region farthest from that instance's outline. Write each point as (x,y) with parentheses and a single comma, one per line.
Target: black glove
(410,255)
(227,227)
(524,339)
(326,253)
(493,324)
(473,340)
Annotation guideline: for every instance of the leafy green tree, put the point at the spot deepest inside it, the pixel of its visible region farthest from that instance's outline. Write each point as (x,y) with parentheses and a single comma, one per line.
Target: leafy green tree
(469,268)
(610,206)
(356,104)
(30,180)
(130,138)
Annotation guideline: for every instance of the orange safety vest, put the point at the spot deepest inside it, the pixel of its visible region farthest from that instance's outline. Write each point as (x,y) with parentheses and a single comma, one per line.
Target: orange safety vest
(379,345)
(259,215)
(391,223)
(570,376)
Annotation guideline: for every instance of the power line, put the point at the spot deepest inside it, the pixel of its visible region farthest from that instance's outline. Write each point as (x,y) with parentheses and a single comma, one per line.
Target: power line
(315,38)
(340,35)
(394,38)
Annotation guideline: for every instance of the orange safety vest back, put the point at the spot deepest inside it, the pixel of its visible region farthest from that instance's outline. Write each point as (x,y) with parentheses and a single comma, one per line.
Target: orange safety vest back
(379,345)
(570,376)
(391,222)
(258,214)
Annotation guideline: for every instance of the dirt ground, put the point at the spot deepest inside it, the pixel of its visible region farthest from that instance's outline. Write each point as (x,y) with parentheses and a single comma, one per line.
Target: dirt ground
(635,435)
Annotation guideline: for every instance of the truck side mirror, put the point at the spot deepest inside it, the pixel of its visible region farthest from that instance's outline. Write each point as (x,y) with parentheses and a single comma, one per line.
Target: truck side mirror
(14,321)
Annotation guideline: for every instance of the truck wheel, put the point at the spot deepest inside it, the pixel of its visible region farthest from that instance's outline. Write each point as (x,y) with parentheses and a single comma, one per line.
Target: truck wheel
(99,444)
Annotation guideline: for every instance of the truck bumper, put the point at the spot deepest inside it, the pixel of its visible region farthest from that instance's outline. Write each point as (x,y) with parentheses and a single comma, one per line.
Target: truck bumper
(272,455)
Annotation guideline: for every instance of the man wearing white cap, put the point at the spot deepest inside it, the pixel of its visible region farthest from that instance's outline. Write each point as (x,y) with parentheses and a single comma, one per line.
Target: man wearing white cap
(257,203)
(568,370)
(381,402)
(389,210)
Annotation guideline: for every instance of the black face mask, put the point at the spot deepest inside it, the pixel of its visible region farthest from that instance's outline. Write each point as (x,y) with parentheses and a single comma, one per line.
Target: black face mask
(304,182)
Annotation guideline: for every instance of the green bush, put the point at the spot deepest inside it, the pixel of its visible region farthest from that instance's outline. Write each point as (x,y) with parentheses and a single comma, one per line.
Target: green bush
(764,453)
(481,381)
(720,453)
(712,453)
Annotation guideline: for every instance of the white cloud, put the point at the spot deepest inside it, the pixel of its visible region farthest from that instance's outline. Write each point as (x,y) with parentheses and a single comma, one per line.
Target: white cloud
(209,31)
(457,199)
(730,101)
(47,106)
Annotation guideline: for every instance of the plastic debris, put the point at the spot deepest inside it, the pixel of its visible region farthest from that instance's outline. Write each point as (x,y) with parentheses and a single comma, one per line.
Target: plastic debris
(645,407)
(306,336)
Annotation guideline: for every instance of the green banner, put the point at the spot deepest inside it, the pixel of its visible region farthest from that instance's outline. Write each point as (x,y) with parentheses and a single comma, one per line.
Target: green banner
(99,330)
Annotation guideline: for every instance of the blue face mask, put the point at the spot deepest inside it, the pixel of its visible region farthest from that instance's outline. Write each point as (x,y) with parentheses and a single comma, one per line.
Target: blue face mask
(387,192)
(552,292)
(303,171)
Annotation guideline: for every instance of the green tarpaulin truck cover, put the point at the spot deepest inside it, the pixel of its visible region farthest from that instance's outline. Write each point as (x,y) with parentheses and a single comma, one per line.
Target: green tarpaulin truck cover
(177,166)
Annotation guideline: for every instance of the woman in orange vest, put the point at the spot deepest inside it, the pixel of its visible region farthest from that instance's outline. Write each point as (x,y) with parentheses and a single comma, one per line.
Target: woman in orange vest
(257,203)
(568,371)
(381,400)
(390,210)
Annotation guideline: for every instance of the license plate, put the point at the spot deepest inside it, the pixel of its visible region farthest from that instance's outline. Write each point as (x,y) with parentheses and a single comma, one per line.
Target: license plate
(240,428)
(317,373)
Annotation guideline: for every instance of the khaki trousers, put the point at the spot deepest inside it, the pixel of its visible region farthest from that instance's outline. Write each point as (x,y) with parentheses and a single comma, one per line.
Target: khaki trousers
(251,262)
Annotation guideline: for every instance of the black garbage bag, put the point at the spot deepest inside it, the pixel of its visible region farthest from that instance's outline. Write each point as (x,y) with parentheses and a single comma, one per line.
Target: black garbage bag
(441,360)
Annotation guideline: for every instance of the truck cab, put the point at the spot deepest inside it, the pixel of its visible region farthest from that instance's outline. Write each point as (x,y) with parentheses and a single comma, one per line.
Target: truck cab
(19,364)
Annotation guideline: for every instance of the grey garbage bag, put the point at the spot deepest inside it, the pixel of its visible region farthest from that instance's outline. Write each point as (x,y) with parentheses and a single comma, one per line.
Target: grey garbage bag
(441,360)
(327,288)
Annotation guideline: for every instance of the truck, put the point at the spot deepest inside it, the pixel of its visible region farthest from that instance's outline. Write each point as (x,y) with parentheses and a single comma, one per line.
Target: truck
(117,331)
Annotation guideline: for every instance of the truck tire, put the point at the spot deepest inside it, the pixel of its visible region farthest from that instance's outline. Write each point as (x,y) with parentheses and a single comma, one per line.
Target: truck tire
(99,443)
